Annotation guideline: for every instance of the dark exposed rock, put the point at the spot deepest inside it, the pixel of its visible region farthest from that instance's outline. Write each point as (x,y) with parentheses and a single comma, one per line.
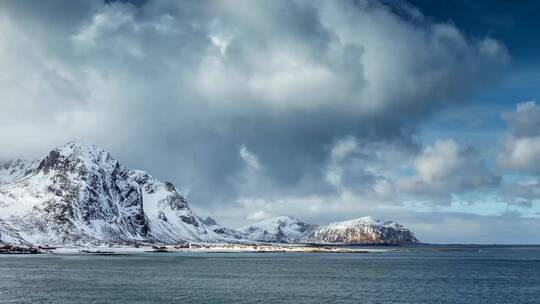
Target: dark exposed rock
(363,231)
(14,249)
(190,220)
(359,231)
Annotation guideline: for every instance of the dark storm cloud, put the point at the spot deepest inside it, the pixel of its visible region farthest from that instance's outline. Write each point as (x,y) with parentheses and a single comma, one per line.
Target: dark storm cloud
(181,88)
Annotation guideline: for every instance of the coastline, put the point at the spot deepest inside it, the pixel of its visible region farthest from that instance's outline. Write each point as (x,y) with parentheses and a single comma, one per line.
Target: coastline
(118,249)
(194,248)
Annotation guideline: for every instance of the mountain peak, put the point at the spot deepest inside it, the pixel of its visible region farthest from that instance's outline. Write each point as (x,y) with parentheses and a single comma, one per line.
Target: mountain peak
(366,220)
(80,194)
(278,219)
(79,146)
(75,154)
(364,230)
(363,220)
(208,221)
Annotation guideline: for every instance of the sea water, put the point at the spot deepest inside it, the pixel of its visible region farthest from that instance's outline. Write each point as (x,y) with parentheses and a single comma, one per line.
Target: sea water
(440,274)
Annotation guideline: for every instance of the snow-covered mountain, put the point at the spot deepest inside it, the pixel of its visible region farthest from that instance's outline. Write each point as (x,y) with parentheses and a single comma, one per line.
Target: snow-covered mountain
(208,221)
(283,229)
(16,169)
(9,235)
(363,230)
(80,194)
(231,235)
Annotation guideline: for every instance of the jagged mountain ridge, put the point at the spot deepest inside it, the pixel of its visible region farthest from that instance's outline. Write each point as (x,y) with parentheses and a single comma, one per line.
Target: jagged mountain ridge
(81,194)
(16,169)
(364,230)
(227,233)
(209,221)
(282,229)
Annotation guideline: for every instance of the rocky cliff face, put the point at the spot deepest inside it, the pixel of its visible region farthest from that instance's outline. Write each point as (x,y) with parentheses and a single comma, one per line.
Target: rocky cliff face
(81,194)
(359,231)
(362,231)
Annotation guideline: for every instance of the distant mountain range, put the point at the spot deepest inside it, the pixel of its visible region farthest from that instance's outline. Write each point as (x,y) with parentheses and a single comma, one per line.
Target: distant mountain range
(285,229)
(79,194)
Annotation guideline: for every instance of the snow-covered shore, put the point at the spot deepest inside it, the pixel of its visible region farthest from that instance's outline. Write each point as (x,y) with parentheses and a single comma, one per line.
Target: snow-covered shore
(211,248)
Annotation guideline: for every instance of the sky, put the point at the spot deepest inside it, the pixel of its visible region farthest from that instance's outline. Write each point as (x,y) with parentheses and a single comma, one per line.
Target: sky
(421,112)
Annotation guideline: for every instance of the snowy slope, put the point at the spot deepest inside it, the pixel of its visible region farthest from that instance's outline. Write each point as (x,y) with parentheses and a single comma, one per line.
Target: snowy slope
(13,170)
(363,230)
(9,235)
(228,234)
(283,229)
(80,194)
(170,217)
